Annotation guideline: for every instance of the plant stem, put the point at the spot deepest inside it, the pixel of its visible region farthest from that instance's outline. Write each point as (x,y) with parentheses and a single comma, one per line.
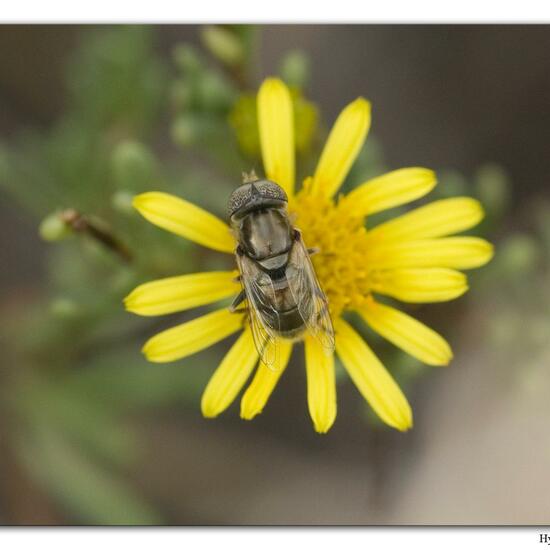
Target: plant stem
(83,224)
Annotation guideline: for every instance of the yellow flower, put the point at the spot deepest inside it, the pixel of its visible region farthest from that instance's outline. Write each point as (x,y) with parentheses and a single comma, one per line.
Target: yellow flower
(411,258)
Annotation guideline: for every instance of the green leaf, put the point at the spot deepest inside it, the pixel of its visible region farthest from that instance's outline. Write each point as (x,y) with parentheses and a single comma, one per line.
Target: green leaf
(133,166)
(80,417)
(123,380)
(92,494)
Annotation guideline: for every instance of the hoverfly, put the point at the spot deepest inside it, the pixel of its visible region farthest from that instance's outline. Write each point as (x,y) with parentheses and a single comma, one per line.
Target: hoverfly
(284,299)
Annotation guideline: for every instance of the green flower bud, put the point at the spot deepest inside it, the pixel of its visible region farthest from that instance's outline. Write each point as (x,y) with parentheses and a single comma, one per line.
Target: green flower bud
(519,254)
(244,120)
(223,44)
(186,130)
(54,228)
(493,188)
(453,184)
(182,94)
(295,69)
(133,166)
(305,122)
(64,308)
(122,201)
(214,92)
(187,58)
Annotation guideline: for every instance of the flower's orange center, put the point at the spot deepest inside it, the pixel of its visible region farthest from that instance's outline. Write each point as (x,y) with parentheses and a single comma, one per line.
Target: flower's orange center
(341,239)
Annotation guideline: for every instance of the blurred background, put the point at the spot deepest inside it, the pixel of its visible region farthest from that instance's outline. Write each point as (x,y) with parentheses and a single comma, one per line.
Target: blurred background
(90,433)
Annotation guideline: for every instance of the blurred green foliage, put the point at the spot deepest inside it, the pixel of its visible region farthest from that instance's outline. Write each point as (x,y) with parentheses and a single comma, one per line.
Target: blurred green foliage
(75,377)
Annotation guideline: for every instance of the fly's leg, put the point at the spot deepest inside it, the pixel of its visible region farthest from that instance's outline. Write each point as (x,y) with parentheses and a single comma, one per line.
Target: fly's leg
(239,299)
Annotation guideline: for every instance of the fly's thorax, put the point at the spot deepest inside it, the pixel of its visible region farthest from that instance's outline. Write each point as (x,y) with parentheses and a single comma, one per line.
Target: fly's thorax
(266,236)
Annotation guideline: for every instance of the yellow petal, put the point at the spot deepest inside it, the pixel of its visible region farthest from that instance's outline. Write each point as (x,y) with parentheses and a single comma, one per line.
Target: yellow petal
(343,145)
(452,252)
(407,333)
(371,378)
(193,336)
(180,293)
(276,125)
(185,219)
(264,382)
(321,385)
(420,285)
(230,376)
(390,190)
(437,219)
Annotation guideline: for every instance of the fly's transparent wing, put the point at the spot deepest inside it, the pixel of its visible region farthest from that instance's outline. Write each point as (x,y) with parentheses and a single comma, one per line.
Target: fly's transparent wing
(259,289)
(267,345)
(310,299)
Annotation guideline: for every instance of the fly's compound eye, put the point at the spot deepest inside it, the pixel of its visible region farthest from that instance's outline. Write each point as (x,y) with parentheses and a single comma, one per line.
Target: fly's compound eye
(258,194)
(270,190)
(238,199)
